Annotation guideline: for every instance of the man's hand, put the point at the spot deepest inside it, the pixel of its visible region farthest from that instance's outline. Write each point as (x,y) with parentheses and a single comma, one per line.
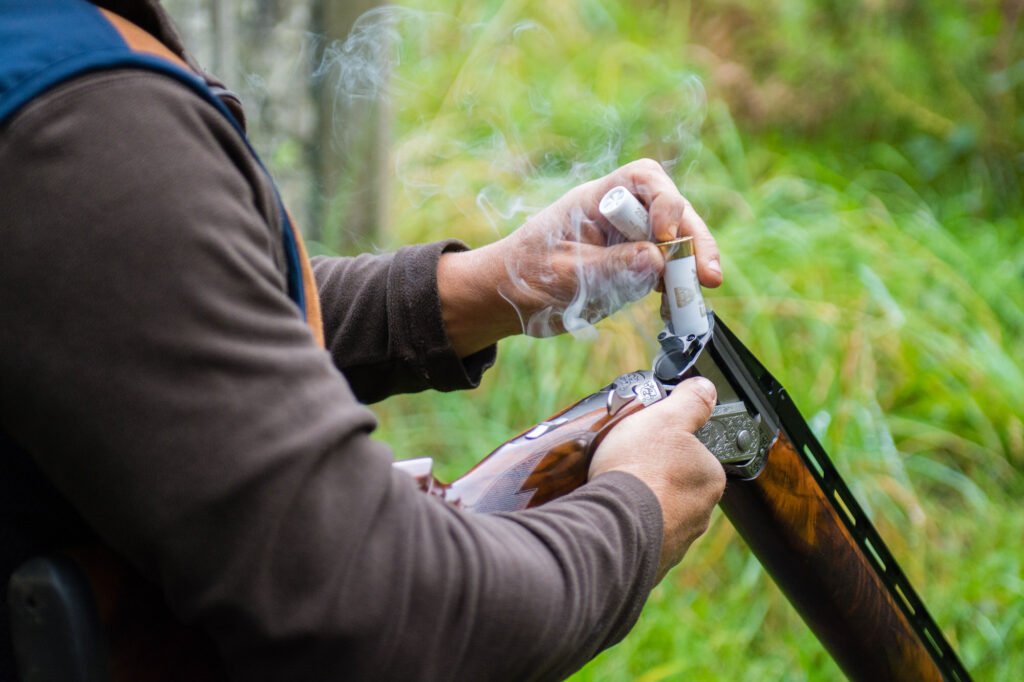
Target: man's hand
(567,267)
(657,446)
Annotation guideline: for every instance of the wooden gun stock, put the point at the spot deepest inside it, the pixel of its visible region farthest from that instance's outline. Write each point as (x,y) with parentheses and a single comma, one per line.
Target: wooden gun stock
(548,461)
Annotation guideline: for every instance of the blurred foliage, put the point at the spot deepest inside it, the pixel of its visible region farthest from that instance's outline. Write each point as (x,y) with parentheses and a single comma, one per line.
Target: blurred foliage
(860,164)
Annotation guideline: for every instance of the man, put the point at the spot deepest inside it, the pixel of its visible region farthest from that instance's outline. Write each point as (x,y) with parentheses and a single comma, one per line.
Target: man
(161,392)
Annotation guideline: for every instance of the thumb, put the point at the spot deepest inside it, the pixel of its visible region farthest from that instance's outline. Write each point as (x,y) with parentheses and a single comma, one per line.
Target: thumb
(692,402)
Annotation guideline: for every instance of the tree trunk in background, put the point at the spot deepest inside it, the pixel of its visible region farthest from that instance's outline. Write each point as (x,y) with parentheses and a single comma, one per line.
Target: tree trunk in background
(348,149)
(224,22)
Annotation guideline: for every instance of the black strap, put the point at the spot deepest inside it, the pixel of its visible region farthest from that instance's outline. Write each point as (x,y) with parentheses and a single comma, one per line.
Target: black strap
(55,626)
(34,520)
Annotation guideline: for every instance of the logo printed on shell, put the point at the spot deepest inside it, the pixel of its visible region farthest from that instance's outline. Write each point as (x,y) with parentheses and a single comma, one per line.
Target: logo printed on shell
(684,296)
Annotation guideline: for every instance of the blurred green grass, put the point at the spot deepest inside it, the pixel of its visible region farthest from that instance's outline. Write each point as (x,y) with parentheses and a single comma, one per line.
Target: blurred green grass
(860,165)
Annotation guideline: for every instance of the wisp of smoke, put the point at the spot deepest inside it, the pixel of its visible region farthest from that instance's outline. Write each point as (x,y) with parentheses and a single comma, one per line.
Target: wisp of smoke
(360,69)
(360,65)
(600,291)
(600,286)
(523,175)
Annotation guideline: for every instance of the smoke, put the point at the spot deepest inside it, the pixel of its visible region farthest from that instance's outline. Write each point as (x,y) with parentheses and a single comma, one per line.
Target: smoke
(684,136)
(601,286)
(600,290)
(360,66)
(548,301)
(500,208)
(487,146)
(359,71)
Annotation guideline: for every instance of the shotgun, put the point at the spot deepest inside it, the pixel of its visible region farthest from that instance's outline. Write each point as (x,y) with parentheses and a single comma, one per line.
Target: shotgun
(783,496)
(84,615)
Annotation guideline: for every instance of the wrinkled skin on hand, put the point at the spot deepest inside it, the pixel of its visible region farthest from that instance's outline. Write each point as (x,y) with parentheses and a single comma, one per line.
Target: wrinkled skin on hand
(685,477)
(568,267)
(581,274)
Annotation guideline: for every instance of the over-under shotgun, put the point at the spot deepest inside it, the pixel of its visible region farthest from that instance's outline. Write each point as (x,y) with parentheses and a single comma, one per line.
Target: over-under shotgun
(784,497)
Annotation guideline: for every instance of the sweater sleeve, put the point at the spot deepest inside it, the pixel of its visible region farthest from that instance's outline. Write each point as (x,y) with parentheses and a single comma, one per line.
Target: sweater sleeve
(383,326)
(157,372)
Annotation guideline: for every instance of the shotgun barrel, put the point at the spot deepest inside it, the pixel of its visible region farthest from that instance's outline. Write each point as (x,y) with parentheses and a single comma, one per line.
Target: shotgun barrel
(814,539)
(783,496)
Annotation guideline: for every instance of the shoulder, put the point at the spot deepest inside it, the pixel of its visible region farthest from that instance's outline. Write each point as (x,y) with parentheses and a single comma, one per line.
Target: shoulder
(100,155)
(124,110)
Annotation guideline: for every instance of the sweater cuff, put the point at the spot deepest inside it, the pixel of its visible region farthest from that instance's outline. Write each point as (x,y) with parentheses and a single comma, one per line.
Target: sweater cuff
(415,310)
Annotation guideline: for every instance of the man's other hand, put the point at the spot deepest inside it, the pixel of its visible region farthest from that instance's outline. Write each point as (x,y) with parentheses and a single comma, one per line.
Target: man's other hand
(657,446)
(567,267)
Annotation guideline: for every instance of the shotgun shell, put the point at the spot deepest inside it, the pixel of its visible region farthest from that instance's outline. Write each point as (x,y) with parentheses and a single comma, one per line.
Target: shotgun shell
(626,213)
(682,288)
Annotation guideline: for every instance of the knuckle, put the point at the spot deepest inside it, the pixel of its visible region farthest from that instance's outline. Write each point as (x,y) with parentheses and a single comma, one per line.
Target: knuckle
(703,528)
(708,475)
(718,482)
(646,165)
(703,525)
(650,165)
(565,250)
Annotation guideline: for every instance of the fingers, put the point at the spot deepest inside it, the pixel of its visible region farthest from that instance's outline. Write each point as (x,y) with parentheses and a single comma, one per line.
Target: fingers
(579,228)
(691,402)
(579,263)
(657,446)
(643,258)
(595,281)
(671,214)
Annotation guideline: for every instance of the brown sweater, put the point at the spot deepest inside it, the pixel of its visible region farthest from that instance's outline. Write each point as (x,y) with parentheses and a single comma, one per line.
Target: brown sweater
(157,374)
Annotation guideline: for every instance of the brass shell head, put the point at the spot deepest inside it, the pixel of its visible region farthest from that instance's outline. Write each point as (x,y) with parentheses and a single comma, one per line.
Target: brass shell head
(676,248)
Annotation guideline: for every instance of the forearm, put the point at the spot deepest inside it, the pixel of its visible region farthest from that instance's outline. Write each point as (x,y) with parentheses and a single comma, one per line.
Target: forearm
(384,327)
(435,593)
(476,314)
